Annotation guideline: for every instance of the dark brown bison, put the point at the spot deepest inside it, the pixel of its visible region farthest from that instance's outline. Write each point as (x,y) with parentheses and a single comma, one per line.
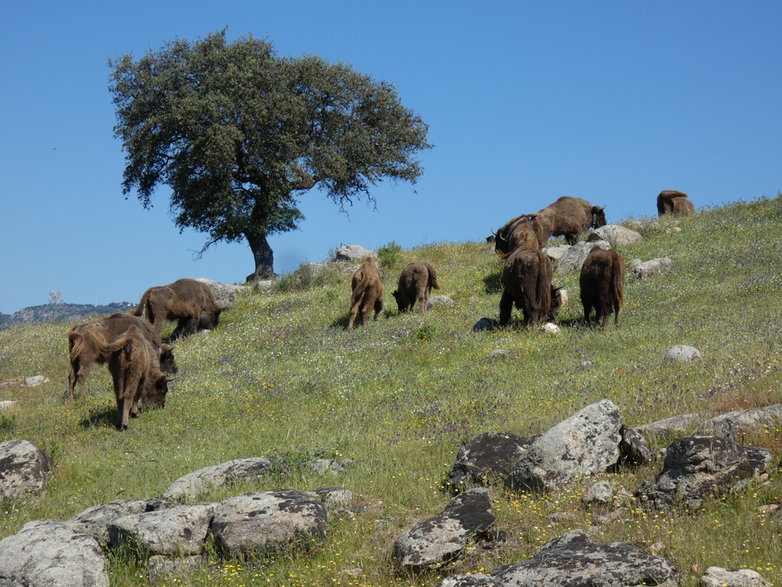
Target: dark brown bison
(367,288)
(188,301)
(568,216)
(134,369)
(526,282)
(520,231)
(108,330)
(674,202)
(415,284)
(602,284)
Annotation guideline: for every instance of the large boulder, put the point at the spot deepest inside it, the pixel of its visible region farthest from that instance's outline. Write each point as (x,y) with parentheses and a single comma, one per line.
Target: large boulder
(444,537)
(585,444)
(179,530)
(485,459)
(189,487)
(95,520)
(699,467)
(267,521)
(719,577)
(616,234)
(352,253)
(575,256)
(651,267)
(573,559)
(24,469)
(734,424)
(225,294)
(48,553)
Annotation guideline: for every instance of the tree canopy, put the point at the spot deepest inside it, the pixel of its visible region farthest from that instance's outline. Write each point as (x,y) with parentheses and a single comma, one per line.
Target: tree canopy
(239,134)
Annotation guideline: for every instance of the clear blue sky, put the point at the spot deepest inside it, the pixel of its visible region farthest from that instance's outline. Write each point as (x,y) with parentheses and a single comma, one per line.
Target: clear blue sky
(526,101)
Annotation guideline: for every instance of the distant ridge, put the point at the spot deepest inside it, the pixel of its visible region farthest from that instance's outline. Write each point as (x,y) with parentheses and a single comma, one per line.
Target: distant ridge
(61,312)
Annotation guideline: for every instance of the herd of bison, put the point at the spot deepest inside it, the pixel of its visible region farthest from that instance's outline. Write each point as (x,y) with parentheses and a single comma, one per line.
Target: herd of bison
(140,362)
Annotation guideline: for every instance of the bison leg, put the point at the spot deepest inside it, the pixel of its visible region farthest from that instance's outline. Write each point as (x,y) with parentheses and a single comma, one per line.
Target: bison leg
(353,314)
(587,310)
(616,314)
(378,307)
(571,238)
(506,308)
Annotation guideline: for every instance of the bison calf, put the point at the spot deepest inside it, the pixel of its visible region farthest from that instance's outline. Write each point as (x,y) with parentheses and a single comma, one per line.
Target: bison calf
(674,202)
(602,284)
(367,288)
(526,281)
(83,353)
(188,301)
(415,284)
(134,368)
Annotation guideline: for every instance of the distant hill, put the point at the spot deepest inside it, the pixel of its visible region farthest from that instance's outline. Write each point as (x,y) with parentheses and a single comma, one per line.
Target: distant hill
(61,312)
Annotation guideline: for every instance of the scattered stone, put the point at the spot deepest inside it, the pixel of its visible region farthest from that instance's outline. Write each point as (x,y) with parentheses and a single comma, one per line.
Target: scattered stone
(633,448)
(584,444)
(441,300)
(47,553)
(501,354)
(179,530)
(574,257)
(336,499)
(444,537)
(352,253)
(326,466)
(719,577)
(699,467)
(682,353)
(556,253)
(95,520)
(159,566)
(263,285)
(484,324)
(24,469)
(600,494)
(551,328)
(33,381)
(7,405)
(734,424)
(573,559)
(616,234)
(225,294)
(652,267)
(674,424)
(190,486)
(486,458)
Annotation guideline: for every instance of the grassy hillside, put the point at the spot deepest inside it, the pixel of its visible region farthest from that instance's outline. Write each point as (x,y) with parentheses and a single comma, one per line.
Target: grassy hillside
(282,378)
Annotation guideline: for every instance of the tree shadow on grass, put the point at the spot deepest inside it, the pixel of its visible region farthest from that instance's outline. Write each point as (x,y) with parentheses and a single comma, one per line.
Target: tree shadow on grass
(104,417)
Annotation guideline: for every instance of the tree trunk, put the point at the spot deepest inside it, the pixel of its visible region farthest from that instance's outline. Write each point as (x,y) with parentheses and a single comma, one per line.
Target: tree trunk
(263,255)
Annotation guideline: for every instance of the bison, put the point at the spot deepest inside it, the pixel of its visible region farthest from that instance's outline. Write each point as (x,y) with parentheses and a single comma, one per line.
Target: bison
(568,216)
(520,231)
(602,284)
(109,329)
(415,284)
(134,368)
(526,281)
(367,288)
(188,301)
(674,202)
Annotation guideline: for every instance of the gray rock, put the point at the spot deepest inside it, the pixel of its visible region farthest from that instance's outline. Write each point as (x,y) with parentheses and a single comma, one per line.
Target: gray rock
(633,448)
(555,253)
(652,267)
(270,520)
(96,519)
(484,324)
(352,253)
(159,566)
(444,537)
(674,424)
(190,486)
(24,470)
(485,459)
(441,300)
(179,530)
(48,553)
(574,257)
(719,577)
(616,234)
(734,424)
(336,499)
(699,467)
(585,444)
(681,353)
(326,467)
(225,294)
(601,494)
(7,405)
(573,559)
(35,381)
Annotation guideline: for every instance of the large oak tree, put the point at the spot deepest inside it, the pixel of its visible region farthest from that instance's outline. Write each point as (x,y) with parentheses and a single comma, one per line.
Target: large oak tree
(239,134)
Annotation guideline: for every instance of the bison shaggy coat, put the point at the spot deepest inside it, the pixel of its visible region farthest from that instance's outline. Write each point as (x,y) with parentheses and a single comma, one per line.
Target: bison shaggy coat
(187,301)
(367,292)
(415,284)
(526,282)
(568,217)
(83,353)
(602,284)
(674,202)
(520,231)
(134,368)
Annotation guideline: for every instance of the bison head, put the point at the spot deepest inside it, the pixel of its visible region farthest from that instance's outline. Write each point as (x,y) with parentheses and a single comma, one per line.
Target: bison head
(598,216)
(156,392)
(166,359)
(208,319)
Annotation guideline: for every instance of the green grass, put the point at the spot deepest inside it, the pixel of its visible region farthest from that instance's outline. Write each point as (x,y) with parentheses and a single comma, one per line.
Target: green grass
(282,378)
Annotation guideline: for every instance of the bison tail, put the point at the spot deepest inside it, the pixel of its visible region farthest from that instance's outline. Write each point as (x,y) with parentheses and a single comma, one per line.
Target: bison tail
(432,276)
(140,308)
(618,283)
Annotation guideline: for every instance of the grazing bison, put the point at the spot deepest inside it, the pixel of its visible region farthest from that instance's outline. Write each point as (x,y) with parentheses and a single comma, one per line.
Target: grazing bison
(568,216)
(526,282)
(107,330)
(188,301)
(520,231)
(674,202)
(602,284)
(367,287)
(134,369)
(415,283)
